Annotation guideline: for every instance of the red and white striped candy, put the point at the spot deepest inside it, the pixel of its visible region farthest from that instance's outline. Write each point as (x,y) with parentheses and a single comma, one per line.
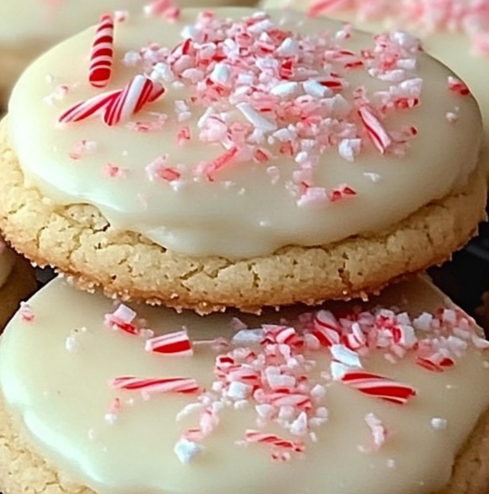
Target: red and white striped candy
(137,93)
(184,385)
(435,364)
(326,328)
(244,374)
(379,386)
(284,398)
(102,54)
(177,344)
(375,130)
(85,109)
(281,335)
(253,436)
(122,319)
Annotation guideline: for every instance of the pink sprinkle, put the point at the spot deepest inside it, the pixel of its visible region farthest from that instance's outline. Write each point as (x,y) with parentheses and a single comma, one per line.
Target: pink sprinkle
(112,170)
(82,148)
(183,135)
(26,313)
(159,170)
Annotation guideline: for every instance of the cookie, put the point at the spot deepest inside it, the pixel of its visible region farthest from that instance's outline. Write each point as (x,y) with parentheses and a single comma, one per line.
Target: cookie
(346,398)
(454,32)
(29,27)
(209,183)
(17,282)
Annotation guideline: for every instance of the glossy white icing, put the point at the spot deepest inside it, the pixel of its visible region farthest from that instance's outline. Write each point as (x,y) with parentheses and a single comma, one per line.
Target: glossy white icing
(55,369)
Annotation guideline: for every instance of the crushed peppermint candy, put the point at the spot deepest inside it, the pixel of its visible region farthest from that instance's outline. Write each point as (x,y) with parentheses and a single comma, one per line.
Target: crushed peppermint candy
(259,93)
(276,372)
(470,17)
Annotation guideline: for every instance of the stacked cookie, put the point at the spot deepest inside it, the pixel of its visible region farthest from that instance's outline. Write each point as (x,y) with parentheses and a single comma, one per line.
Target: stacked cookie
(236,160)
(29,27)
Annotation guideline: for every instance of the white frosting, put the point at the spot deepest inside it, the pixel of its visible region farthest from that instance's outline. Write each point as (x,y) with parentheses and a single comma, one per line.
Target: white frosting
(7,261)
(57,357)
(250,207)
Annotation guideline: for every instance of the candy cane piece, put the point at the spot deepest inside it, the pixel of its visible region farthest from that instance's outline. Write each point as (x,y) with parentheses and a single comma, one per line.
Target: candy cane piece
(379,386)
(253,436)
(296,400)
(326,328)
(457,86)
(102,54)
(85,109)
(185,385)
(286,335)
(177,344)
(375,130)
(138,92)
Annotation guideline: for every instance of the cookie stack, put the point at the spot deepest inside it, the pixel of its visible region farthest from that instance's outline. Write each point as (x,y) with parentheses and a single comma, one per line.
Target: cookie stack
(273,168)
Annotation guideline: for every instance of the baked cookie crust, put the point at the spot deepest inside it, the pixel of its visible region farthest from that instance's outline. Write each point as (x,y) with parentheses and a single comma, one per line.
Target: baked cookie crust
(78,241)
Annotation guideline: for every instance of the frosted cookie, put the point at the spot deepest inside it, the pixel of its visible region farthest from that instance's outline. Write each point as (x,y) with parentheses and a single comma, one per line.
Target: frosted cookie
(17,282)
(28,27)
(456,32)
(240,160)
(346,398)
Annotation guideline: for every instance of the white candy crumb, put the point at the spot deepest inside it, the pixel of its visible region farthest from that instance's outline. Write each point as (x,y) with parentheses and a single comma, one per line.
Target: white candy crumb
(71,344)
(239,391)
(439,423)
(110,418)
(186,450)
(346,356)
(248,336)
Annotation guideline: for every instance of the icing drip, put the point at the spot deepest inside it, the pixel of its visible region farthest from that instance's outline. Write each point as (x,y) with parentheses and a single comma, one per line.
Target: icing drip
(300,399)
